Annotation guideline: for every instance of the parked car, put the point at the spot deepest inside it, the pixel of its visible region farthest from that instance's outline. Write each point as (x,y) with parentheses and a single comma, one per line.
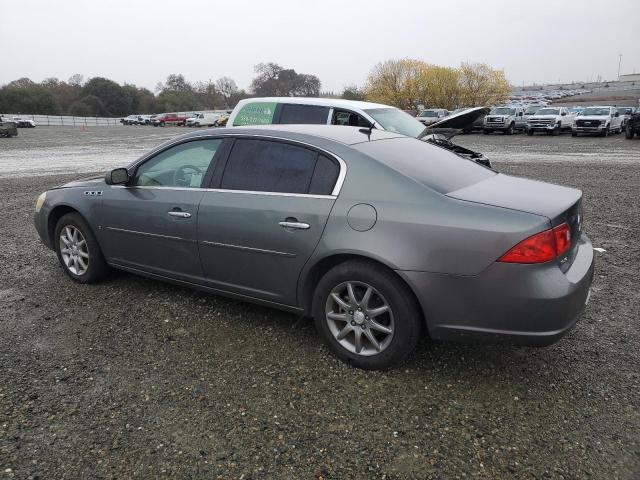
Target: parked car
(24,122)
(8,128)
(222,121)
(377,236)
(144,119)
(599,120)
(130,120)
(633,125)
(550,120)
(529,111)
(625,115)
(503,119)
(333,111)
(430,116)
(203,120)
(169,119)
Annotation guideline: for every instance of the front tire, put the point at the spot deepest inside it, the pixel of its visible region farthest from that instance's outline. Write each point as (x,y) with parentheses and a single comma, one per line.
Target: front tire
(628,133)
(366,315)
(509,131)
(78,250)
(556,130)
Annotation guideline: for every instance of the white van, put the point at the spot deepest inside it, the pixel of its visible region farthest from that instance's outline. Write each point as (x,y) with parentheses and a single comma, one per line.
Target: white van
(330,111)
(203,120)
(335,111)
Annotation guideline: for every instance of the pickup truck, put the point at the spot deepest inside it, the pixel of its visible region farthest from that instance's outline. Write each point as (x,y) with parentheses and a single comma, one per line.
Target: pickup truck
(430,116)
(600,120)
(633,125)
(8,128)
(503,119)
(169,119)
(551,120)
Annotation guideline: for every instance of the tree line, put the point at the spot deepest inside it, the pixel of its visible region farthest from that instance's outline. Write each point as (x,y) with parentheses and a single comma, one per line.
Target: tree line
(404,83)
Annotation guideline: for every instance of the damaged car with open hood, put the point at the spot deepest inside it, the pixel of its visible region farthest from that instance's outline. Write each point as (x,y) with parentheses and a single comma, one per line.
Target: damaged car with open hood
(367,115)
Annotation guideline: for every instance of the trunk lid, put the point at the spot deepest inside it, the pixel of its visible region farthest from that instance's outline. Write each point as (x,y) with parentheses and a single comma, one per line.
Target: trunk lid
(559,204)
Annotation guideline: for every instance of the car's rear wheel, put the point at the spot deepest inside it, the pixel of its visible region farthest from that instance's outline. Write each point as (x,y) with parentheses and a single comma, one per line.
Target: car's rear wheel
(78,250)
(366,315)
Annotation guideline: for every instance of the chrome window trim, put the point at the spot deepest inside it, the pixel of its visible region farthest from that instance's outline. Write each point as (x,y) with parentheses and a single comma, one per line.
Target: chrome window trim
(334,193)
(222,190)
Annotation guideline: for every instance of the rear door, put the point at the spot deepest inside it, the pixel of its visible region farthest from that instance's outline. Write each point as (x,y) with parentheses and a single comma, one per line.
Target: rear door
(265,216)
(150,224)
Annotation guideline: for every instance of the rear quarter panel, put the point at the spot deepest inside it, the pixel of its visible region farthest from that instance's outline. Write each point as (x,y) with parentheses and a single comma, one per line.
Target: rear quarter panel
(417,228)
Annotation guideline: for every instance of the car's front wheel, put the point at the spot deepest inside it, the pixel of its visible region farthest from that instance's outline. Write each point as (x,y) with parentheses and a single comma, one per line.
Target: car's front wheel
(78,250)
(366,315)
(628,134)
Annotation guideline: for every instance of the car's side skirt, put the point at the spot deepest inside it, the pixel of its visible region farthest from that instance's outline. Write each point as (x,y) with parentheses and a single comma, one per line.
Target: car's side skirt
(204,288)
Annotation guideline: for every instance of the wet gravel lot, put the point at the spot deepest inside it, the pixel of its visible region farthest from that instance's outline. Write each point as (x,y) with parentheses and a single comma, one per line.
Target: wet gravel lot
(133,378)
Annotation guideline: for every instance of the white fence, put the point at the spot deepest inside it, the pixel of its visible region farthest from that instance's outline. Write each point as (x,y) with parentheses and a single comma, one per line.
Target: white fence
(64,120)
(69,121)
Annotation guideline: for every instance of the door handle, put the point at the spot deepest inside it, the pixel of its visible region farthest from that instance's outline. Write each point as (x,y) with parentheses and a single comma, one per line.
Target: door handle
(296,225)
(174,213)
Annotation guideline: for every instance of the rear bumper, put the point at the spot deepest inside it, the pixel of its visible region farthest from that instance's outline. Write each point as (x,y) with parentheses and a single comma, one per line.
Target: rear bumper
(523,304)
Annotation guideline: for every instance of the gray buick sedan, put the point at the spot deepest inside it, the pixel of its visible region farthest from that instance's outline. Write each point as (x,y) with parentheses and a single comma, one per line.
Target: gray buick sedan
(377,236)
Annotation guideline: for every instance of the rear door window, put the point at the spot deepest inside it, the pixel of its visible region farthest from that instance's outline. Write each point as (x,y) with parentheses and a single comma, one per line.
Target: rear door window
(269,166)
(303,114)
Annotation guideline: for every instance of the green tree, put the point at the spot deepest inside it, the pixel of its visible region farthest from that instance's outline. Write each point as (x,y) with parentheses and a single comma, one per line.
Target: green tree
(352,92)
(273,80)
(114,98)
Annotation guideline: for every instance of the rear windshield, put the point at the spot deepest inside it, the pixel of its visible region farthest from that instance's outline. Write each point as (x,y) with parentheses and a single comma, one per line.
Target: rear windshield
(428,164)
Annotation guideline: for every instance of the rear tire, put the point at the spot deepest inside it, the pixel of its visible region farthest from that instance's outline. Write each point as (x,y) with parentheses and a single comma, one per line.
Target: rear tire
(395,328)
(78,250)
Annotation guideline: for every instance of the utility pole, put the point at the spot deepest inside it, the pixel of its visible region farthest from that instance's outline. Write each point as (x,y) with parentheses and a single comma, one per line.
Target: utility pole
(619,62)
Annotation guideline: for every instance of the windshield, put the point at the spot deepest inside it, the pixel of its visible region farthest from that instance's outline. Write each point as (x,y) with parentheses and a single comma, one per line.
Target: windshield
(503,111)
(394,120)
(548,111)
(531,110)
(595,111)
(428,113)
(624,110)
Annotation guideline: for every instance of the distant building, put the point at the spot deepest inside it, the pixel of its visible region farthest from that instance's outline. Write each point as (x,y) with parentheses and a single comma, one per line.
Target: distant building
(630,77)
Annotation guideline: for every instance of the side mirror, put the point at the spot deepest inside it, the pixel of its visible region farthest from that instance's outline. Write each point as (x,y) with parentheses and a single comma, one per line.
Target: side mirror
(117,176)
(617,114)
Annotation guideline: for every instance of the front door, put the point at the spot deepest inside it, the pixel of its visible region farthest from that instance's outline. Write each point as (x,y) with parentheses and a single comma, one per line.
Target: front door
(258,228)
(150,224)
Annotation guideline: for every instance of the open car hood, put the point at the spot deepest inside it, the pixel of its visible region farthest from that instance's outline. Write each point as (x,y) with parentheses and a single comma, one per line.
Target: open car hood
(441,133)
(458,121)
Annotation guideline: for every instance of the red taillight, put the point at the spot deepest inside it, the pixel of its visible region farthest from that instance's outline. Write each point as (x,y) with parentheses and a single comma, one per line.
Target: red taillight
(541,247)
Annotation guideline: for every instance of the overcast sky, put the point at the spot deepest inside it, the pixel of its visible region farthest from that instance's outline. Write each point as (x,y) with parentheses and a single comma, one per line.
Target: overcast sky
(141,42)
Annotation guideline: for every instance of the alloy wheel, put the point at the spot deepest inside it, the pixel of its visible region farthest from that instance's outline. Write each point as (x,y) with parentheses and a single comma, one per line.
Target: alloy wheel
(74,250)
(359,318)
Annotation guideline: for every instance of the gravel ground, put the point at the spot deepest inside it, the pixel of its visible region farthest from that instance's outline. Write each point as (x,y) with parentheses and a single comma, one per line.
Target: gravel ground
(133,378)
